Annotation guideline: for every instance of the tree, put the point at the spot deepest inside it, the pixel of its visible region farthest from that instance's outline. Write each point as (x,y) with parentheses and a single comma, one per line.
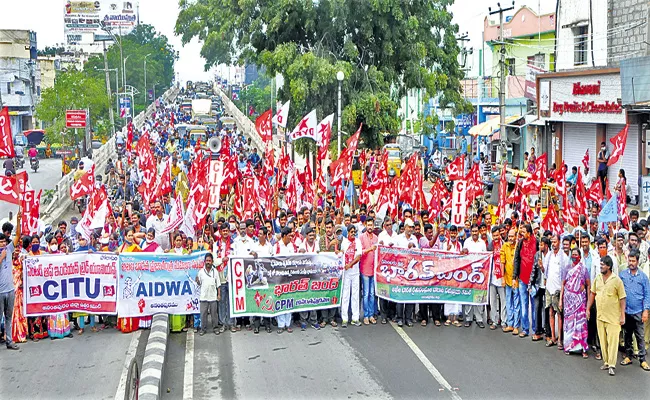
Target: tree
(72,90)
(384,48)
(136,45)
(256,95)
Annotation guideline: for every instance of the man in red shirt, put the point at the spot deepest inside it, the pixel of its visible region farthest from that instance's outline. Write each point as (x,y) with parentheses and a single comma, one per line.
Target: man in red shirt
(367,267)
(524,259)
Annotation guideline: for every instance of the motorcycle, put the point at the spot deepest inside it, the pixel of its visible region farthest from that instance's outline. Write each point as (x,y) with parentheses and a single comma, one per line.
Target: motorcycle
(19,161)
(33,162)
(80,203)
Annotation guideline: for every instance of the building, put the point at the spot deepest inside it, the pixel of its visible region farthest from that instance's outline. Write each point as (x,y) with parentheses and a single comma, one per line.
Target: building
(19,77)
(590,99)
(48,68)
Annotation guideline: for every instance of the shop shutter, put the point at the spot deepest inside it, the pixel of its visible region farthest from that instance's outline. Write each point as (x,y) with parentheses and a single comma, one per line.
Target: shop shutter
(577,138)
(630,160)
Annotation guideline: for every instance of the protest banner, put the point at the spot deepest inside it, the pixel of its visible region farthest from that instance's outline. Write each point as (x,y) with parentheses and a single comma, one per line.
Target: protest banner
(269,286)
(152,283)
(432,276)
(78,282)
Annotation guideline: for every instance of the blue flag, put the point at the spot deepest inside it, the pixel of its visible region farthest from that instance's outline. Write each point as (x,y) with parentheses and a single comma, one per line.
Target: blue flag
(349,192)
(609,213)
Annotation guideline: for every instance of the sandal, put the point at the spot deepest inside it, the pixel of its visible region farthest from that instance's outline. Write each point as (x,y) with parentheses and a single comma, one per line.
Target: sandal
(560,347)
(323,324)
(373,320)
(626,361)
(550,343)
(93,329)
(598,356)
(585,355)
(280,330)
(447,322)
(645,366)
(334,324)
(436,323)
(81,332)
(423,323)
(289,330)
(457,324)
(233,329)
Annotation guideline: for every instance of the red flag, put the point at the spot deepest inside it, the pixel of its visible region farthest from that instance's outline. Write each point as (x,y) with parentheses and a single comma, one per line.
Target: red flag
(581,196)
(341,168)
(165,181)
(31,203)
(200,196)
(560,180)
(526,213)
(9,190)
(353,141)
(515,195)
(268,162)
(321,180)
(541,168)
(455,169)
(622,207)
(324,135)
(249,199)
(291,195)
(618,142)
(381,177)
(364,195)
(531,185)
(340,195)
(263,125)
(595,192)
(238,210)
(474,183)
(129,136)
(551,222)
(585,159)
(84,185)
(309,185)
(171,119)
(6,139)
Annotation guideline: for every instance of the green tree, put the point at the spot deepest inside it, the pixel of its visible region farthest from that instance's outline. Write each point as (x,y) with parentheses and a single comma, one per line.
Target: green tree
(384,48)
(72,90)
(256,95)
(136,45)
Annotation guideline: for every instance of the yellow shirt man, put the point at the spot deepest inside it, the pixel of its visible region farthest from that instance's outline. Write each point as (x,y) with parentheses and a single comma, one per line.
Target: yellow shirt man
(508,263)
(609,294)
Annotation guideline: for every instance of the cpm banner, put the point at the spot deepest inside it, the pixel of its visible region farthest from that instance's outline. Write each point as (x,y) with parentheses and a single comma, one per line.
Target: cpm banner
(78,282)
(269,286)
(152,283)
(432,276)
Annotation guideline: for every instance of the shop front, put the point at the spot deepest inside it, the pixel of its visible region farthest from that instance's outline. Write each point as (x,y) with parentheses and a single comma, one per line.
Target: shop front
(582,109)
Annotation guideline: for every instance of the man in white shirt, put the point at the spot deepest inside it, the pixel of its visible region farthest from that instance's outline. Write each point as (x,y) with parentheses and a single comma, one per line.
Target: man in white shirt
(310,244)
(158,221)
(351,248)
(474,245)
(208,281)
(262,248)
(284,247)
(388,238)
(406,240)
(555,267)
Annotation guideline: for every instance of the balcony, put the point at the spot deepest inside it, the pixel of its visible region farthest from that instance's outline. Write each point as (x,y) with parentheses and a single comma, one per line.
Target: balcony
(17,100)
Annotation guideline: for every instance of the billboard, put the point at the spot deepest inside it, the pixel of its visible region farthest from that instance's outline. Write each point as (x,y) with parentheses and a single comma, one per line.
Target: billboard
(83,20)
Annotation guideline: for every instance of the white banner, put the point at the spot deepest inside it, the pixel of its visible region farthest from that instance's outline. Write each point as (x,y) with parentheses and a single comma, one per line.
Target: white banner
(78,282)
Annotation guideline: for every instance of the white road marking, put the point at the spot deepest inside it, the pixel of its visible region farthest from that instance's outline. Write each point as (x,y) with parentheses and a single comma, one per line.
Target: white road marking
(188,375)
(130,353)
(427,364)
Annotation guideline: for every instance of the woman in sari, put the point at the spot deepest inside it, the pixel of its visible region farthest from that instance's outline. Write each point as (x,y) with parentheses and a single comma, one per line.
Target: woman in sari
(58,325)
(148,244)
(37,325)
(573,301)
(128,324)
(19,326)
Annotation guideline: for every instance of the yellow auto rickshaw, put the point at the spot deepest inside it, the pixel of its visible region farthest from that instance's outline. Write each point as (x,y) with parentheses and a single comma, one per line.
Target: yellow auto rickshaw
(394,159)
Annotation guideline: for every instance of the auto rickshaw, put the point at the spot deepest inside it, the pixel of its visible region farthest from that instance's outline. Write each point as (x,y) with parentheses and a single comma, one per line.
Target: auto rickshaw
(48,151)
(394,158)
(357,172)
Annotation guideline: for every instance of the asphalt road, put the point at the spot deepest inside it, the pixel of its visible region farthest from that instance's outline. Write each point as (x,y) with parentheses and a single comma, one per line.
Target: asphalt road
(384,361)
(47,176)
(87,366)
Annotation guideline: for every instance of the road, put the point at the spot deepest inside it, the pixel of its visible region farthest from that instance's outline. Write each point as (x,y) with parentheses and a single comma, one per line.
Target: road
(87,366)
(385,361)
(47,176)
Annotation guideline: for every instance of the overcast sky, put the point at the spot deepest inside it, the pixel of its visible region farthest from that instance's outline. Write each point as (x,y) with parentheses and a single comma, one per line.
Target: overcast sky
(46,18)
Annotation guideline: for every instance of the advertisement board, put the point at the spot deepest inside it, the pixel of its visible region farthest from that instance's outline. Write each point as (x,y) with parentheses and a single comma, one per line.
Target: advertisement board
(92,17)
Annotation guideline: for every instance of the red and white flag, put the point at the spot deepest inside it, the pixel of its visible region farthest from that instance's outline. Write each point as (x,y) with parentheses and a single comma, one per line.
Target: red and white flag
(552,222)
(283,115)
(306,128)
(30,212)
(263,125)
(6,139)
(84,185)
(618,142)
(455,169)
(324,134)
(9,190)
(585,159)
(595,192)
(527,213)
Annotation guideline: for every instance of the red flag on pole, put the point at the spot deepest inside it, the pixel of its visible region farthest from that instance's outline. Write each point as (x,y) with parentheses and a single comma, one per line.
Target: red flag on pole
(551,222)
(263,125)
(6,139)
(84,185)
(618,142)
(455,169)
(585,159)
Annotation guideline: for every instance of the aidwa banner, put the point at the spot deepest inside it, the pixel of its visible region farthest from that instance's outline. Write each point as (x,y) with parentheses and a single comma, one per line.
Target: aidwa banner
(78,282)
(431,276)
(152,283)
(269,286)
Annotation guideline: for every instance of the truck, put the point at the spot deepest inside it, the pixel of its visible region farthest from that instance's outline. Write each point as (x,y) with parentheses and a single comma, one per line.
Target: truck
(201,107)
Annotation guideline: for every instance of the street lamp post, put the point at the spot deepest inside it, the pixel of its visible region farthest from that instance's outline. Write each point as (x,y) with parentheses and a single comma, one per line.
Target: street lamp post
(145,79)
(339,76)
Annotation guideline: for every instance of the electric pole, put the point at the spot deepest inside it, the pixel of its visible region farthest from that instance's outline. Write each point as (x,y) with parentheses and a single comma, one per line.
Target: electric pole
(108,90)
(502,73)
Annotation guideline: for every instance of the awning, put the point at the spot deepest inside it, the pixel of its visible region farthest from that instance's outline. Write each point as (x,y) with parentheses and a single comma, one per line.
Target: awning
(489,127)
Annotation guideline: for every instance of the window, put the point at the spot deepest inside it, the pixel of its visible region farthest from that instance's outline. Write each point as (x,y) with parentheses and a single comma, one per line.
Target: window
(538,60)
(580,40)
(8,87)
(510,66)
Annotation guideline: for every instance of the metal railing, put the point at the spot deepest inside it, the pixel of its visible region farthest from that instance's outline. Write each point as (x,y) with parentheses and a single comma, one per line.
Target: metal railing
(61,199)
